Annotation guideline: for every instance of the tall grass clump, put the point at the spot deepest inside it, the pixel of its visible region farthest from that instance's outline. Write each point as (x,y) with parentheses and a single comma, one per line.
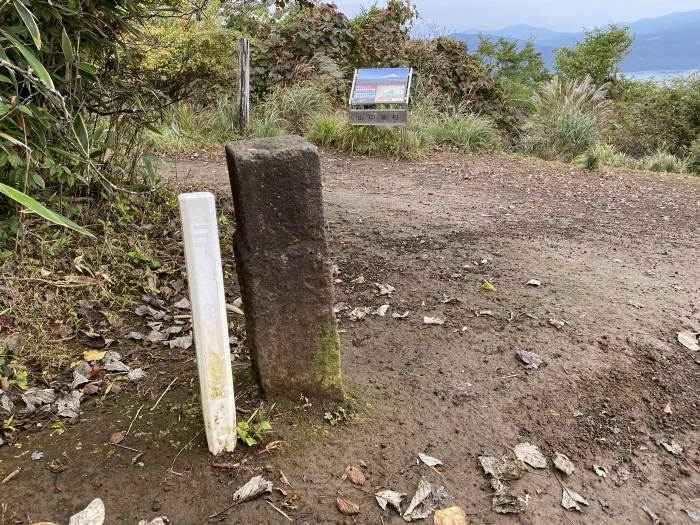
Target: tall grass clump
(567,118)
(662,161)
(470,133)
(297,105)
(600,155)
(187,127)
(334,130)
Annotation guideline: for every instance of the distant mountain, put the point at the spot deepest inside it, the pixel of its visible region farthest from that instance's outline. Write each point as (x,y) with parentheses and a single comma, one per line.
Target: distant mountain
(670,42)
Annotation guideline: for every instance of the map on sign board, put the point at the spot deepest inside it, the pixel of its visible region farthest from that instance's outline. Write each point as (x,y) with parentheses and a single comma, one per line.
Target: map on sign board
(381,86)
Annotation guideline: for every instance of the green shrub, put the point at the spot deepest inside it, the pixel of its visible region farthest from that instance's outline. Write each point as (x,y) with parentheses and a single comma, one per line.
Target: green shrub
(692,161)
(655,116)
(661,161)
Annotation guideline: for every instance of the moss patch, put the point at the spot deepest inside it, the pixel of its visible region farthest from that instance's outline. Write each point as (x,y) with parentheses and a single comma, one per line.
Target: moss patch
(326,365)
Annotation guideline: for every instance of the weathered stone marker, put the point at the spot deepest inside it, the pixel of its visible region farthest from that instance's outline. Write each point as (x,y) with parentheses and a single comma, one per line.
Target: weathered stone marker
(283,266)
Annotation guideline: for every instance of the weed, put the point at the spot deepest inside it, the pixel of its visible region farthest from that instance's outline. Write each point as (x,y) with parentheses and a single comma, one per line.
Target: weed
(252,431)
(336,416)
(692,161)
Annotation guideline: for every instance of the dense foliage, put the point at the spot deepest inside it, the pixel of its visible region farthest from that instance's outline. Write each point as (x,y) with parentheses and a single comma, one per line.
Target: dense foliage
(598,55)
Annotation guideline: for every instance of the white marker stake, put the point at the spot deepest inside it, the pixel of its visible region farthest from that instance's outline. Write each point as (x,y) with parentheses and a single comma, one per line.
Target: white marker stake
(206,284)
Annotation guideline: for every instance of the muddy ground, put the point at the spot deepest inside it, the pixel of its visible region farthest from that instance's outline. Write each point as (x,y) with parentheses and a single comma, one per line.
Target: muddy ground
(617,256)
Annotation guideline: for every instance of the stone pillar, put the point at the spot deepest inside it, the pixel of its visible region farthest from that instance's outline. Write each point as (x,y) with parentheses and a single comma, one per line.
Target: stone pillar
(283,266)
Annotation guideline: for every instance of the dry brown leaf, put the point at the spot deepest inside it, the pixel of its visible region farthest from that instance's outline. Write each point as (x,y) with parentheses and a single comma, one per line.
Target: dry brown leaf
(347,507)
(355,475)
(116,438)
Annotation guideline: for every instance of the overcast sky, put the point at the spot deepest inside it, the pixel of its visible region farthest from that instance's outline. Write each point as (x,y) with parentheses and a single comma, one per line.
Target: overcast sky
(561,15)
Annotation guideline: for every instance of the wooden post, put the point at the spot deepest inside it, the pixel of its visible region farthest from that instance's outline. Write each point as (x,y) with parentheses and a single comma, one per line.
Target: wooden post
(243,98)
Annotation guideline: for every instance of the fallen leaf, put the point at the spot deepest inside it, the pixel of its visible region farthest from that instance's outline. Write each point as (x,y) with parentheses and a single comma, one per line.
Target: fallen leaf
(116,438)
(429,460)
(358,314)
(86,309)
(571,499)
(694,515)
(530,455)
(37,455)
(391,498)
(347,507)
(668,409)
(672,447)
(534,282)
(689,340)
(600,471)
(156,336)
(68,405)
(653,516)
(93,514)
(135,375)
(355,475)
(91,389)
(254,488)
(433,320)
(381,311)
(182,304)
(508,504)
(385,289)
(162,520)
(564,464)
(359,280)
(531,359)
(184,342)
(112,363)
(36,397)
(488,286)
(451,516)
(339,307)
(397,315)
(93,355)
(506,468)
(422,492)
(91,340)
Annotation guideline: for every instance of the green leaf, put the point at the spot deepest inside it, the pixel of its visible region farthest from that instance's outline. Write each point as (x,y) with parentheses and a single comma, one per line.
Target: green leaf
(29,21)
(38,208)
(67,47)
(81,132)
(32,60)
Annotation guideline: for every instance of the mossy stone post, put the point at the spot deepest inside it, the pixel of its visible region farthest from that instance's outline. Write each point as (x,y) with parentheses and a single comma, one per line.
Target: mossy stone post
(283,267)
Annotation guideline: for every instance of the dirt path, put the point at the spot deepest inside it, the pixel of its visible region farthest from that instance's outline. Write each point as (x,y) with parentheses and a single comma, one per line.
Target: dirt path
(617,256)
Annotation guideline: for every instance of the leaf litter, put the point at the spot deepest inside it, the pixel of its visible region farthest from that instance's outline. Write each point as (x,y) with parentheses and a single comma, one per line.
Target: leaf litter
(429,460)
(391,498)
(689,340)
(570,500)
(424,501)
(530,455)
(531,359)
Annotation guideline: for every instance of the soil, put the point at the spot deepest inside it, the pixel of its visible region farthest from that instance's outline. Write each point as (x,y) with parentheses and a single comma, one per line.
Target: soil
(617,256)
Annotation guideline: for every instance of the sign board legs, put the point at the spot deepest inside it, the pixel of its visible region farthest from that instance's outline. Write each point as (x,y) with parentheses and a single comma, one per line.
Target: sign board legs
(206,285)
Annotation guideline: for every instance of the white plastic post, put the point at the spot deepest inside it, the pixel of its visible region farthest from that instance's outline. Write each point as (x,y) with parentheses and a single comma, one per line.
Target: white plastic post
(206,285)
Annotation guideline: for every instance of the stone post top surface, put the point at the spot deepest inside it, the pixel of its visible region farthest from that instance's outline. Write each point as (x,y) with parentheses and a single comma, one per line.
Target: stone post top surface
(270,146)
